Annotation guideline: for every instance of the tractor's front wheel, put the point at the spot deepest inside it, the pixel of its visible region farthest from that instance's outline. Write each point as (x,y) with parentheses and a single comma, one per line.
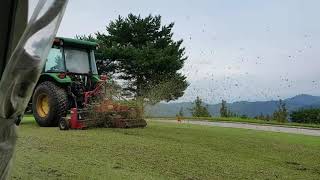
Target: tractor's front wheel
(49,104)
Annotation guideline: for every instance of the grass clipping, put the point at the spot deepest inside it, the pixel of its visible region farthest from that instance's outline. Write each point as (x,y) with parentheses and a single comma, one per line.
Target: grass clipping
(111,103)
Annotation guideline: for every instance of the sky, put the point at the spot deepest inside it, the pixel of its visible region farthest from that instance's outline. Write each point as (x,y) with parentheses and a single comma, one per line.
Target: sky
(244,50)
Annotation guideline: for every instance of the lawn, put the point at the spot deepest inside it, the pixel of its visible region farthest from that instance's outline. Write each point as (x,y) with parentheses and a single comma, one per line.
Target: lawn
(164,151)
(246,120)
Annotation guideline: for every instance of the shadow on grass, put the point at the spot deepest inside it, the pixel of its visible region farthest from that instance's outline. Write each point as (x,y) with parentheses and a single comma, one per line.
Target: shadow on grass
(24,122)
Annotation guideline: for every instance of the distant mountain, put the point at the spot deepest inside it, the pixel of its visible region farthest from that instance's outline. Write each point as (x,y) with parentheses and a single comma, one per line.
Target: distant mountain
(304,100)
(250,109)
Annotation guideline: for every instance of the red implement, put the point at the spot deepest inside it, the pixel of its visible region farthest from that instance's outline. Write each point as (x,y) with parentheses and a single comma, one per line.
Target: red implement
(103,113)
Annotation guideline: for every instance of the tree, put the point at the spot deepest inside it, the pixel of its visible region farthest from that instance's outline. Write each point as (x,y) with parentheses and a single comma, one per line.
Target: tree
(281,114)
(181,114)
(244,116)
(142,53)
(309,115)
(225,112)
(268,118)
(261,116)
(199,110)
(224,109)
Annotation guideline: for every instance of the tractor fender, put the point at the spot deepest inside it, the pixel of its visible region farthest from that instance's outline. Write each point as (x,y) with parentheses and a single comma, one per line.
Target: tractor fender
(54,77)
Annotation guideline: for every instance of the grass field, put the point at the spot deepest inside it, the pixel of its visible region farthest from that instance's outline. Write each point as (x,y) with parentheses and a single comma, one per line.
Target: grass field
(247,120)
(164,151)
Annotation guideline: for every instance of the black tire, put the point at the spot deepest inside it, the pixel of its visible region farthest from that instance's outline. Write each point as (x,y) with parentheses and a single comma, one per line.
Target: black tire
(57,101)
(64,124)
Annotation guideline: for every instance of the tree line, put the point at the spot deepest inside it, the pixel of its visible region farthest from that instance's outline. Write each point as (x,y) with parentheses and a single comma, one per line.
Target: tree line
(281,114)
(311,115)
(199,109)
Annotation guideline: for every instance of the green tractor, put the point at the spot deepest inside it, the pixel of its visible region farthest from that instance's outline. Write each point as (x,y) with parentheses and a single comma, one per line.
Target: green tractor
(69,79)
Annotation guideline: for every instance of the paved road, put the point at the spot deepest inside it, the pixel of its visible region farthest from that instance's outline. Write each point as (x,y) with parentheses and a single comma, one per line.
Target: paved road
(294,130)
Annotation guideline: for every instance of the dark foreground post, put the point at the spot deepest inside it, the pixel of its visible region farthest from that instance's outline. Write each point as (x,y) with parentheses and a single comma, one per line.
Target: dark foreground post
(22,55)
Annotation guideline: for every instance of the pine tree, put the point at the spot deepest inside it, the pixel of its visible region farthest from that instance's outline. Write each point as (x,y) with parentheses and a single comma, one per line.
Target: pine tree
(142,52)
(224,110)
(181,114)
(261,116)
(268,118)
(281,114)
(199,110)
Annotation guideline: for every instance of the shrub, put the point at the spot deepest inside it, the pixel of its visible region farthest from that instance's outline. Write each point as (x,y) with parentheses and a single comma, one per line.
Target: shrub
(306,116)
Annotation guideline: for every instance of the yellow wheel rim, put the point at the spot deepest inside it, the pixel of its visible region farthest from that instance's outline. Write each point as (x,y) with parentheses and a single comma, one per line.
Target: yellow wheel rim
(43,105)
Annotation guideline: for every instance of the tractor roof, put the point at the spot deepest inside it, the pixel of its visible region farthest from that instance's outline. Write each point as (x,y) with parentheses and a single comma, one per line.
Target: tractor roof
(77,43)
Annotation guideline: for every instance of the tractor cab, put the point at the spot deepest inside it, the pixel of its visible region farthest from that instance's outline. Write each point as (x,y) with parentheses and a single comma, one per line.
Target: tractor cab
(72,57)
(70,61)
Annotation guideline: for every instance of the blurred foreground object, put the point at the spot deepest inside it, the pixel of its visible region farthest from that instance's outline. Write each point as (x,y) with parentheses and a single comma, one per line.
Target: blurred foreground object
(23,49)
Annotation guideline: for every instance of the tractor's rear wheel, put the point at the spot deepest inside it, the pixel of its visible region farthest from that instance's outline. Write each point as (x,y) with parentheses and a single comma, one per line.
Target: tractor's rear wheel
(49,104)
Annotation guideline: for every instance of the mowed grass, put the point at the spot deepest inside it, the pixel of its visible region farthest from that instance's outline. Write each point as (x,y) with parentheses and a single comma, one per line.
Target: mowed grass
(245,120)
(164,151)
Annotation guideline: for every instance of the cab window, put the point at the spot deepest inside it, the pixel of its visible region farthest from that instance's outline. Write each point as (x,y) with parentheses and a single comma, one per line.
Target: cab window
(55,61)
